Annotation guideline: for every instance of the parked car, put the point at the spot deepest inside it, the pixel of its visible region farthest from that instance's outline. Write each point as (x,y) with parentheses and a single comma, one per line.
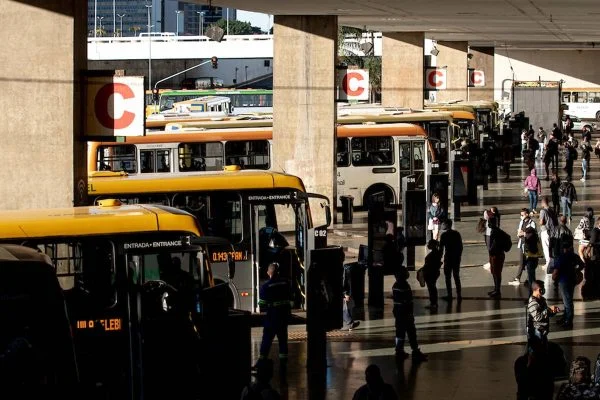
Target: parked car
(578,124)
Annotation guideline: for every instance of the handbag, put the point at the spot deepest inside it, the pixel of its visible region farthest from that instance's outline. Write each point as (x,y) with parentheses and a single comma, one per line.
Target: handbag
(578,277)
(525,190)
(430,224)
(578,234)
(421,277)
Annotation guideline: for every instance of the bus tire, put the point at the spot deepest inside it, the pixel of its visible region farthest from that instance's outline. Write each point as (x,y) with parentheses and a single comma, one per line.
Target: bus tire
(387,192)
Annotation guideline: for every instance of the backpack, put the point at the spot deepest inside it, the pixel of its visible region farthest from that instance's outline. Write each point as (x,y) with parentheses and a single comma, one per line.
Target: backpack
(481,225)
(535,145)
(557,240)
(505,240)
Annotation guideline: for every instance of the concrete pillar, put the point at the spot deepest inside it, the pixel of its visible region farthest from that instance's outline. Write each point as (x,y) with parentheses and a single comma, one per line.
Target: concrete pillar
(304,109)
(453,56)
(43,157)
(402,69)
(483,59)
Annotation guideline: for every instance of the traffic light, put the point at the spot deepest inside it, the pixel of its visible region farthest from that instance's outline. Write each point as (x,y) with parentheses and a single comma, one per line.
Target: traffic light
(155,95)
(215,62)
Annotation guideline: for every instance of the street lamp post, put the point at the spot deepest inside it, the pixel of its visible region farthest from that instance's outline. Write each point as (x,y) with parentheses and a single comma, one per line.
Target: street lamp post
(101,18)
(177,19)
(114,19)
(121,22)
(149,7)
(95,18)
(201,23)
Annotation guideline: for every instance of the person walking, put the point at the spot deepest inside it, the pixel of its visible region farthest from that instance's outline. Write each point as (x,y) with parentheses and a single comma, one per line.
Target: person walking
(554,186)
(586,154)
(525,222)
(451,246)
(500,243)
(543,140)
(404,317)
(431,272)
(538,320)
(548,223)
(532,251)
(534,189)
(570,157)
(375,387)
(275,297)
(568,195)
(584,229)
(566,268)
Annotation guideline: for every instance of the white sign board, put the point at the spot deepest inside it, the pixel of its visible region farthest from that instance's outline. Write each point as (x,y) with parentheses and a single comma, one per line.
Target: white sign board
(476,78)
(115,106)
(354,84)
(435,78)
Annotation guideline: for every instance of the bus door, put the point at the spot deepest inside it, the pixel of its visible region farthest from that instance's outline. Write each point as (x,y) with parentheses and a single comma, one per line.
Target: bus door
(155,160)
(279,232)
(412,156)
(441,134)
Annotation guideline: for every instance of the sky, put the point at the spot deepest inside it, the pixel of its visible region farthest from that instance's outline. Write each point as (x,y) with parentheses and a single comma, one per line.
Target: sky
(262,21)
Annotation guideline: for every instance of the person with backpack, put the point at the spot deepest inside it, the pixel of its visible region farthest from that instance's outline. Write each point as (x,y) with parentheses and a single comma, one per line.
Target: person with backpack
(532,251)
(431,272)
(500,243)
(568,195)
(551,156)
(548,223)
(586,153)
(566,269)
(525,223)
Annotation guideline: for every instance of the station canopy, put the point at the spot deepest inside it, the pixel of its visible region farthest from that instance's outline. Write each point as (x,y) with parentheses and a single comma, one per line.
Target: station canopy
(535,24)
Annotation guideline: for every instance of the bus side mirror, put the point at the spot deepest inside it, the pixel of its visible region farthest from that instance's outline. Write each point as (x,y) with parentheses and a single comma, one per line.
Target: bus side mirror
(231,267)
(327,213)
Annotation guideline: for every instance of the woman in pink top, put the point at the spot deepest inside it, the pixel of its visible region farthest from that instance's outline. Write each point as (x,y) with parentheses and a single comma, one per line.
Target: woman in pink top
(534,188)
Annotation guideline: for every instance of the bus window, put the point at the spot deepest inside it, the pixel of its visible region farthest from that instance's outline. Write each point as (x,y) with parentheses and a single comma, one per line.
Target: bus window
(66,258)
(418,156)
(343,153)
(147,161)
(253,154)
(219,214)
(372,151)
(201,156)
(404,156)
(117,158)
(162,161)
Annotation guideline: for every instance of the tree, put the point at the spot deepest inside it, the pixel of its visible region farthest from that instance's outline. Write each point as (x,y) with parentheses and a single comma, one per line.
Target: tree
(238,27)
(135,29)
(350,53)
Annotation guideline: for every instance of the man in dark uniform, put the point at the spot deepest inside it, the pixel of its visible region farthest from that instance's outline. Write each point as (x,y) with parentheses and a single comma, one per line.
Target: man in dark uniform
(404,317)
(275,298)
(452,247)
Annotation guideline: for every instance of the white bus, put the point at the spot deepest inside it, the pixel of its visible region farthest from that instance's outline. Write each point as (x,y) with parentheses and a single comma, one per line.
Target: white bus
(583,103)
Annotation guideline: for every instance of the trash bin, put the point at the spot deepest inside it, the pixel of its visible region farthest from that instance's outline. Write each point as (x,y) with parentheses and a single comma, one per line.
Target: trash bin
(347,204)
(354,282)
(376,285)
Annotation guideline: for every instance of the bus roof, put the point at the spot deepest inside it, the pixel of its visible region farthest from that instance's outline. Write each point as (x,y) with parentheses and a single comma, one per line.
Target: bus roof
(95,220)
(419,116)
(390,129)
(217,91)
(118,183)
(210,122)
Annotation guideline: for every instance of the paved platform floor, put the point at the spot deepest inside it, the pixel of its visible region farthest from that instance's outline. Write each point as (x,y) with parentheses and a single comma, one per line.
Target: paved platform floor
(471,345)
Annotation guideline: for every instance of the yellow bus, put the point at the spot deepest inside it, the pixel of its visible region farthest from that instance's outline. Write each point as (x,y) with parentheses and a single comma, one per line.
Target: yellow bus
(370,158)
(267,216)
(486,113)
(121,268)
